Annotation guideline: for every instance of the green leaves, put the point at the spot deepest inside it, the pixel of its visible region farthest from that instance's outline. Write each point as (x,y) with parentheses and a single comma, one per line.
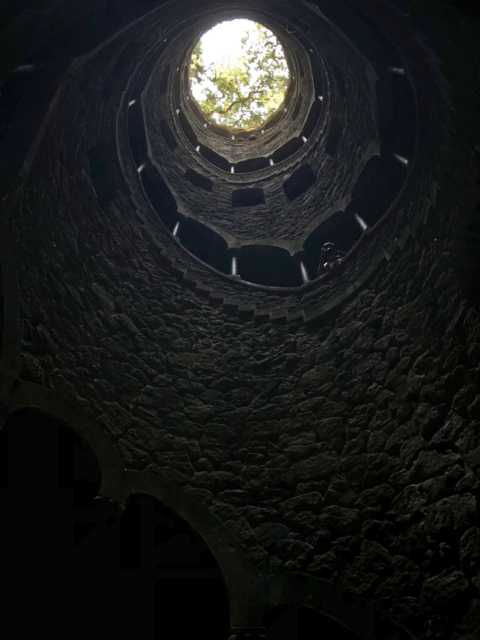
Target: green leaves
(244,92)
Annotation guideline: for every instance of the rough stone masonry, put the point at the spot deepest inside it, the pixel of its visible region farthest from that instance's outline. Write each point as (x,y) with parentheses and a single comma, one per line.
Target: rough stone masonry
(332,431)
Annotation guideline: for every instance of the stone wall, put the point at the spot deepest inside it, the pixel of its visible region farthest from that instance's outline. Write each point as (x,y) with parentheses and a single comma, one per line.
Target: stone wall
(278,218)
(348,449)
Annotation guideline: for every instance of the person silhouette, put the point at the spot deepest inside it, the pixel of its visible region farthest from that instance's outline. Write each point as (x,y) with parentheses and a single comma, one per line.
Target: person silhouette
(329,258)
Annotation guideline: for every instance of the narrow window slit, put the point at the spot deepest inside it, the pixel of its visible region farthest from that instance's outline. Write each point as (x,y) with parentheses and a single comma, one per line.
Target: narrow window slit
(304,138)
(131,102)
(271,162)
(234,266)
(177,226)
(141,167)
(232,169)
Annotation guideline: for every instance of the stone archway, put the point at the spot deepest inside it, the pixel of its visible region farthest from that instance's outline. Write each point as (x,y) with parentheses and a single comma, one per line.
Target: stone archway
(117,485)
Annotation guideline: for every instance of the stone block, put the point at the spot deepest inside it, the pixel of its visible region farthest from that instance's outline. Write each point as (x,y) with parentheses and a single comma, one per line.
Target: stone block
(446,588)
(270,533)
(431,463)
(454,513)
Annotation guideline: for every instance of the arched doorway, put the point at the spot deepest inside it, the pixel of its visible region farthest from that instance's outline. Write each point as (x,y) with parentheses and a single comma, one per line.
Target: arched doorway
(79,569)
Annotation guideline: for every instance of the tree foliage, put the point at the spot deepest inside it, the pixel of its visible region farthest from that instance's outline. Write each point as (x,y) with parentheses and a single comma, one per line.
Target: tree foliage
(243,93)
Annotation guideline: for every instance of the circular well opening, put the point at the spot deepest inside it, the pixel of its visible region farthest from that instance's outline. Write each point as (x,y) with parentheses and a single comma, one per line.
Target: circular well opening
(239,75)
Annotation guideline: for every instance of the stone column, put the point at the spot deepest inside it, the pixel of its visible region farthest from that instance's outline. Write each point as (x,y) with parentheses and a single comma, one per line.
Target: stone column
(299,259)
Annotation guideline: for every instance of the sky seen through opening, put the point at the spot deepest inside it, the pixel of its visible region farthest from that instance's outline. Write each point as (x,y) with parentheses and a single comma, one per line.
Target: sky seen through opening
(239,74)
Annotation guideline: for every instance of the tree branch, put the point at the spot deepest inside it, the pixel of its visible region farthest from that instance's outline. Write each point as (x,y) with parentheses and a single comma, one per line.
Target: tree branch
(241,101)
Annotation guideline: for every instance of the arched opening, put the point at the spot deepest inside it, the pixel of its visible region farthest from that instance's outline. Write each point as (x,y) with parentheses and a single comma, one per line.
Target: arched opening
(180,577)
(103,161)
(136,575)
(248,197)
(204,243)
(168,135)
(396,114)
(294,622)
(377,187)
(160,196)
(136,133)
(334,137)
(52,478)
(312,118)
(341,228)
(287,150)
(249,166)
(317,74)
(215,158)
(300,181)
(187,129)
(198,180)
(268,266)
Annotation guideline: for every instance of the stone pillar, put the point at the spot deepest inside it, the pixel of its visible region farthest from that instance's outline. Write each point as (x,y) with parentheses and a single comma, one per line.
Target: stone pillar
(299,259)
(234,262)
(247,633)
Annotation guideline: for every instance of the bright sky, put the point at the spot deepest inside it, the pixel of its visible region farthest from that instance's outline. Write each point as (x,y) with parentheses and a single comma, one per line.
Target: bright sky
(225,38)
(223,41)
